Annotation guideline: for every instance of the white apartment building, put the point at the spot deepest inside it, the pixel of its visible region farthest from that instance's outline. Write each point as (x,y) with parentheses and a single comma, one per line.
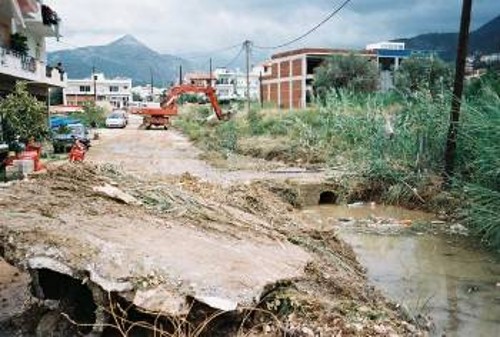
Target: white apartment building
(232,84)
(24,26)
(148,94)
(117,91)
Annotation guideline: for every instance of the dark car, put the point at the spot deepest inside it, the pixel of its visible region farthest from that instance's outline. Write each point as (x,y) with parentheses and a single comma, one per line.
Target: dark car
(65,135)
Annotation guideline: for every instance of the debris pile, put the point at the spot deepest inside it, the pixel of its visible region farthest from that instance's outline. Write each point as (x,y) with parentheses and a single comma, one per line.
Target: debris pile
(167,247)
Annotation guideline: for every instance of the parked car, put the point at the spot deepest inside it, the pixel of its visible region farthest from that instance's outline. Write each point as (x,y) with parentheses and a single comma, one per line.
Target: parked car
(117,119)
(64,136)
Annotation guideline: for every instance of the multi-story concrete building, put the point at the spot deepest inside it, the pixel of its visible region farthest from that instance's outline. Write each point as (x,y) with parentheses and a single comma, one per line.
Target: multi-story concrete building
(232,84)
(288,77)
(199,79)
(389,54)
(97,88)
(148,93)
(24,26)
(229,84)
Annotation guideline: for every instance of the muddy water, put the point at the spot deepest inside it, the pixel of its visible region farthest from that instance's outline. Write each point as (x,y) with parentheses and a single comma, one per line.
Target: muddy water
(457,286)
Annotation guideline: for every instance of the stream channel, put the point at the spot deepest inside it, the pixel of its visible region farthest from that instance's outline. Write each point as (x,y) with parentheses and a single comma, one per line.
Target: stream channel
(434,275)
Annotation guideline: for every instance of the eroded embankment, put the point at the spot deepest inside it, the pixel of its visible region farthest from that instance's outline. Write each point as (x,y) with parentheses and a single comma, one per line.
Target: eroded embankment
(134,249)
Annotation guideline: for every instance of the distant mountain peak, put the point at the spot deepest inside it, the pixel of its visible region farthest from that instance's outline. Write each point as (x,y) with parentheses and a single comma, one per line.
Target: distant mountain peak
(128,40)
(124,57)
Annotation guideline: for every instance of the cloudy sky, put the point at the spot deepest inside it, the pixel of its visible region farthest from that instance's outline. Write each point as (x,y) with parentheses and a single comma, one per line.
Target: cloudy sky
(190,26)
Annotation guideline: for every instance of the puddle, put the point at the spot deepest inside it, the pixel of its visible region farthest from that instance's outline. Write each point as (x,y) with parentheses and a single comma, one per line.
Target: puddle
(454,284)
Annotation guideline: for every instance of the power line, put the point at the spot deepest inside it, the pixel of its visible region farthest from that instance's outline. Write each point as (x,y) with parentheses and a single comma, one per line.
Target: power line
(209,53)
(325,20)
(235,58)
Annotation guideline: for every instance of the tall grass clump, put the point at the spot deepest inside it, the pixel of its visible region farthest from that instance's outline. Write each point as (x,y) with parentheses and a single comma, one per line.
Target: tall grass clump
(479,163)
(392,143)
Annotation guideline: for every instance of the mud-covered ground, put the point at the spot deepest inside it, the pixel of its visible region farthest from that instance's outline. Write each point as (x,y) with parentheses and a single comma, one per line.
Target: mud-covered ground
(171,237)
(158,153)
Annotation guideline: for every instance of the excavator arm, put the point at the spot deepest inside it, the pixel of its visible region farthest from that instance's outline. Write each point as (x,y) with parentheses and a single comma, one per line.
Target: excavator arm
(170,101)
(161,116)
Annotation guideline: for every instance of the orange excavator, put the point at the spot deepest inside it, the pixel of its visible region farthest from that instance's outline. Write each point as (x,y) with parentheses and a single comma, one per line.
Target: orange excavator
(161,116)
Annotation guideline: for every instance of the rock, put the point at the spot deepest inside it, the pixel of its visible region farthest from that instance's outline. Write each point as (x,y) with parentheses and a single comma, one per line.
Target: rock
(307,332)
(267,329)
(116,194)
(364,309)
(406,222)
(459,229)
(409,327)
(438,222)
(356,204)
(380,329)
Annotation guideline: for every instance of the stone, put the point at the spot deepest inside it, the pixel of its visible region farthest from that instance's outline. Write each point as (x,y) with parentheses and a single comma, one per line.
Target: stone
(307,332)
(116,194)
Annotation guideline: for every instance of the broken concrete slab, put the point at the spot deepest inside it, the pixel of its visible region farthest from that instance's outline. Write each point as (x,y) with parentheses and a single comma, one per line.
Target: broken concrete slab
(155,263)
(14,292)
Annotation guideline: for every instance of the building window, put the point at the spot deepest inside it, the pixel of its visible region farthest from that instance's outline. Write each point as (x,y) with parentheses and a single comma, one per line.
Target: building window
(114,88)
(85,88)
(125,88)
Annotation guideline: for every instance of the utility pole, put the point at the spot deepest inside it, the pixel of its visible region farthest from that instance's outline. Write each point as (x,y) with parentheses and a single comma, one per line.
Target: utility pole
(211,71)
(458,86)
(151,89)
(261,92)
(248,44)
(95,84)
(180,74)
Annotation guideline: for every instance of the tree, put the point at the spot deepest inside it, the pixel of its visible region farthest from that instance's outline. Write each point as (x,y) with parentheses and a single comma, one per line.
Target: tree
(424,73)
(23,116)
(354,73)
(93,115)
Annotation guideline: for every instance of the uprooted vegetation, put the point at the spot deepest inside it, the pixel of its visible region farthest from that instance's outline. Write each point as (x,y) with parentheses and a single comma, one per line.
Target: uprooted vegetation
(62,216)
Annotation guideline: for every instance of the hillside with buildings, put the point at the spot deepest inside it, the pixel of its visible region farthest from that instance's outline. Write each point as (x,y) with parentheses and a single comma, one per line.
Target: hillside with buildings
(485,40)
(126,57)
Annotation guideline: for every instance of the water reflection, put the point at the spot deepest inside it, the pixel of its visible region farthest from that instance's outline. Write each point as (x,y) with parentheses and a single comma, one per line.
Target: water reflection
(456,285)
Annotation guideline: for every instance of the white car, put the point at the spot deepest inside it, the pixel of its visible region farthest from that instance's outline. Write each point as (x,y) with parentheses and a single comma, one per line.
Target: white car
(117,119)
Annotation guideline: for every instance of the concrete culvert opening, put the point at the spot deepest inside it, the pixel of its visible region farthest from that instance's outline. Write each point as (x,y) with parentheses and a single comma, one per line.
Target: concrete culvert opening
(327,198)
(74,300)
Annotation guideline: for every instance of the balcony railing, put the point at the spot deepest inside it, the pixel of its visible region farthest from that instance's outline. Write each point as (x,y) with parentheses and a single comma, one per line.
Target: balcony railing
(11,58)
(28,68)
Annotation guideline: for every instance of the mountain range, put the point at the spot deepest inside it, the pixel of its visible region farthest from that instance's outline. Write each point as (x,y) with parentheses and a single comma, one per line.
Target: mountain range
(484,40)
(129,57)
(125,57)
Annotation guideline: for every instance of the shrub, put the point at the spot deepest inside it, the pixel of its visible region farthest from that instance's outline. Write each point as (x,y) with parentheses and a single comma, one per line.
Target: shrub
(354,73)
(23,116)
(92,115)
(417,74)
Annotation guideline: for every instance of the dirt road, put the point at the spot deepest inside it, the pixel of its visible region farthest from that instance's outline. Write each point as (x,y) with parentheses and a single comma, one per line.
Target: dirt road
(159,153)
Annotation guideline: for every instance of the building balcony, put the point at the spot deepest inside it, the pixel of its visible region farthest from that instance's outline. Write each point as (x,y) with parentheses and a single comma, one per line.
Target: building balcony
(44,22)
(29,69)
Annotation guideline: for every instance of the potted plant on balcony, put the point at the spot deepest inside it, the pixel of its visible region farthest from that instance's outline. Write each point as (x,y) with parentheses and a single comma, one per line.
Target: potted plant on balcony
(19,44)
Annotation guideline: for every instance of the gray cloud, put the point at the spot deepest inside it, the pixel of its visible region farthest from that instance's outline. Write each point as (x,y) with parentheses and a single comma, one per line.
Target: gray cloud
(193,25)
